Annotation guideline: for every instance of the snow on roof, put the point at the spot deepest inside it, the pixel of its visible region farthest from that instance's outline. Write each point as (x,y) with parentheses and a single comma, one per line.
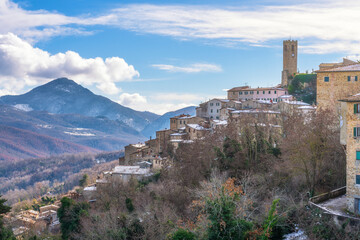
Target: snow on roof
(286,96)
(182,128)
(188,141)
(177,134)
(186,117)
(264,101)
(102,180)
(197,127)
(307,107)
(131,170)
(176,140)
(296,103)
(349,68)
(255,111)
(138,145)
(91,188)
(220,122)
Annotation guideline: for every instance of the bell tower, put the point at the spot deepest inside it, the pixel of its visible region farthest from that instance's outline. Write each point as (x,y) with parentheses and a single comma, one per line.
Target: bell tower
(289,61)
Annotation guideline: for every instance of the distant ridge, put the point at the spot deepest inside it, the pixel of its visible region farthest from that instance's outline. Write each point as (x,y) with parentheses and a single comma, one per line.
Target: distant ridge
(62,96)
(16,143)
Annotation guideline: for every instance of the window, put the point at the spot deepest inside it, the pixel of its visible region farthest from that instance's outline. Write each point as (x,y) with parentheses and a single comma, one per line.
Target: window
(217,110)
(180,122)
(356,131)
(269,92)
(257,92)
(326,79)
(184,122)
(246,93)
(356,108)
(263,92)
(211,110)
(275,92)
(357,155)
(240,93)
(357,205)
(357,179)
(211,104)
(356,78)
(251,92)
(349,78)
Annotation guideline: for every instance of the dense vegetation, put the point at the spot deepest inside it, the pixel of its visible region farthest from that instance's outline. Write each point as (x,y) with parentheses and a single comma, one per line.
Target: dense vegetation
(303,87)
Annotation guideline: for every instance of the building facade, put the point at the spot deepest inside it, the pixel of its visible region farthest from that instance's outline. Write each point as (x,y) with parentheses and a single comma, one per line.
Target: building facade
(350,137)
(337,83)
(246,93)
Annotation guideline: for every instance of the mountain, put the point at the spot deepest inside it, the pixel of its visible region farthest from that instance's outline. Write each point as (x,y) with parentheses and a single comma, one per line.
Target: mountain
(95,132)
(164,121)
(64,96)
(16,143)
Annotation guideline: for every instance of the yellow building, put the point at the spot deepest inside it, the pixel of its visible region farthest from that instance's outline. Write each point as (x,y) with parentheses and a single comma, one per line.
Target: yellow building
(350,137)
(336,83)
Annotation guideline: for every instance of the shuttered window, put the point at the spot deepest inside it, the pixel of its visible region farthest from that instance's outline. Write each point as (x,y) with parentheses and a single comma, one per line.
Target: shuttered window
(357,155)
(356,108)
(356,77)
(357,179)
(326,79)
(356,131)
(349,78)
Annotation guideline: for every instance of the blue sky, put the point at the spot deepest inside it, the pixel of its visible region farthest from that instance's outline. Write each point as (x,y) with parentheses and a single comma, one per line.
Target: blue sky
(164,55)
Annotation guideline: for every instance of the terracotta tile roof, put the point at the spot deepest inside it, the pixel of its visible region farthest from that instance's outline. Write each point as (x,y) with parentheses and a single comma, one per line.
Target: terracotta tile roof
(255,89)
(349,68)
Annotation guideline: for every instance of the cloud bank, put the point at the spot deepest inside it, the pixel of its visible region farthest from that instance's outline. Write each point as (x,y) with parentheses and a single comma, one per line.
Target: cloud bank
(322,26)
(22,65)
(160,103)
(193,68)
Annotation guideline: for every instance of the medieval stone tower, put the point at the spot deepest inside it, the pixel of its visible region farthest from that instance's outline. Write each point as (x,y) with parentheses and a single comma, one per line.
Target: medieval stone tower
(289,61)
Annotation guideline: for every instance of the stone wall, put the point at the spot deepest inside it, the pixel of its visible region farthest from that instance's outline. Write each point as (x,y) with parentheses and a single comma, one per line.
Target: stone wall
(352,165)
(338,87)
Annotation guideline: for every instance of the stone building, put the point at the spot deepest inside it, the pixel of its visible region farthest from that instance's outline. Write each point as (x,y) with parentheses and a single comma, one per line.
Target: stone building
(179,122)
(336,83)
(216,108)
(247,93)
(289,61)
(350,137)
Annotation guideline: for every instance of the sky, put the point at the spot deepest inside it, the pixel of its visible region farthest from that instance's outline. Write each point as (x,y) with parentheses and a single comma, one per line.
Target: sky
(160,56)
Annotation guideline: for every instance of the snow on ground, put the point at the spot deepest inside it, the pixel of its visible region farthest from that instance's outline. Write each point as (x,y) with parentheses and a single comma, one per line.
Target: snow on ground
(84,134)
(298,235)
(23,107)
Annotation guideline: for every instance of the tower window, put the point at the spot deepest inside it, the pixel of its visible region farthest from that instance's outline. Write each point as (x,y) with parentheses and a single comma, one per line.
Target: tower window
(326,79)
(357,155)
(292,48)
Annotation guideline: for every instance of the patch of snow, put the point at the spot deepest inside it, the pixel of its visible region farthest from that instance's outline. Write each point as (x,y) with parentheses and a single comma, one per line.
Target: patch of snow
(297,235)
(23,107)
(85,134)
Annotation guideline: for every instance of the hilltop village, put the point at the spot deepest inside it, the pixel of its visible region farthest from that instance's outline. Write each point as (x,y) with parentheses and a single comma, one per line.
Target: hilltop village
(268,108)
(336,90)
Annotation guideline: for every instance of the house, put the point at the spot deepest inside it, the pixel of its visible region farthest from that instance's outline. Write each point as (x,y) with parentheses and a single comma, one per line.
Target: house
(196,131)
(337,81)
(217,108)
(125,173)
(246,93)
(350,138)
(257,104)
(257,115)
(179,122)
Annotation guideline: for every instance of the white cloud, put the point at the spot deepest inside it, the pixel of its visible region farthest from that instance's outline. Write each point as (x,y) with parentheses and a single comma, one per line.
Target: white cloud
(326,26)
(22,65)
(193,68)
(161,103)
